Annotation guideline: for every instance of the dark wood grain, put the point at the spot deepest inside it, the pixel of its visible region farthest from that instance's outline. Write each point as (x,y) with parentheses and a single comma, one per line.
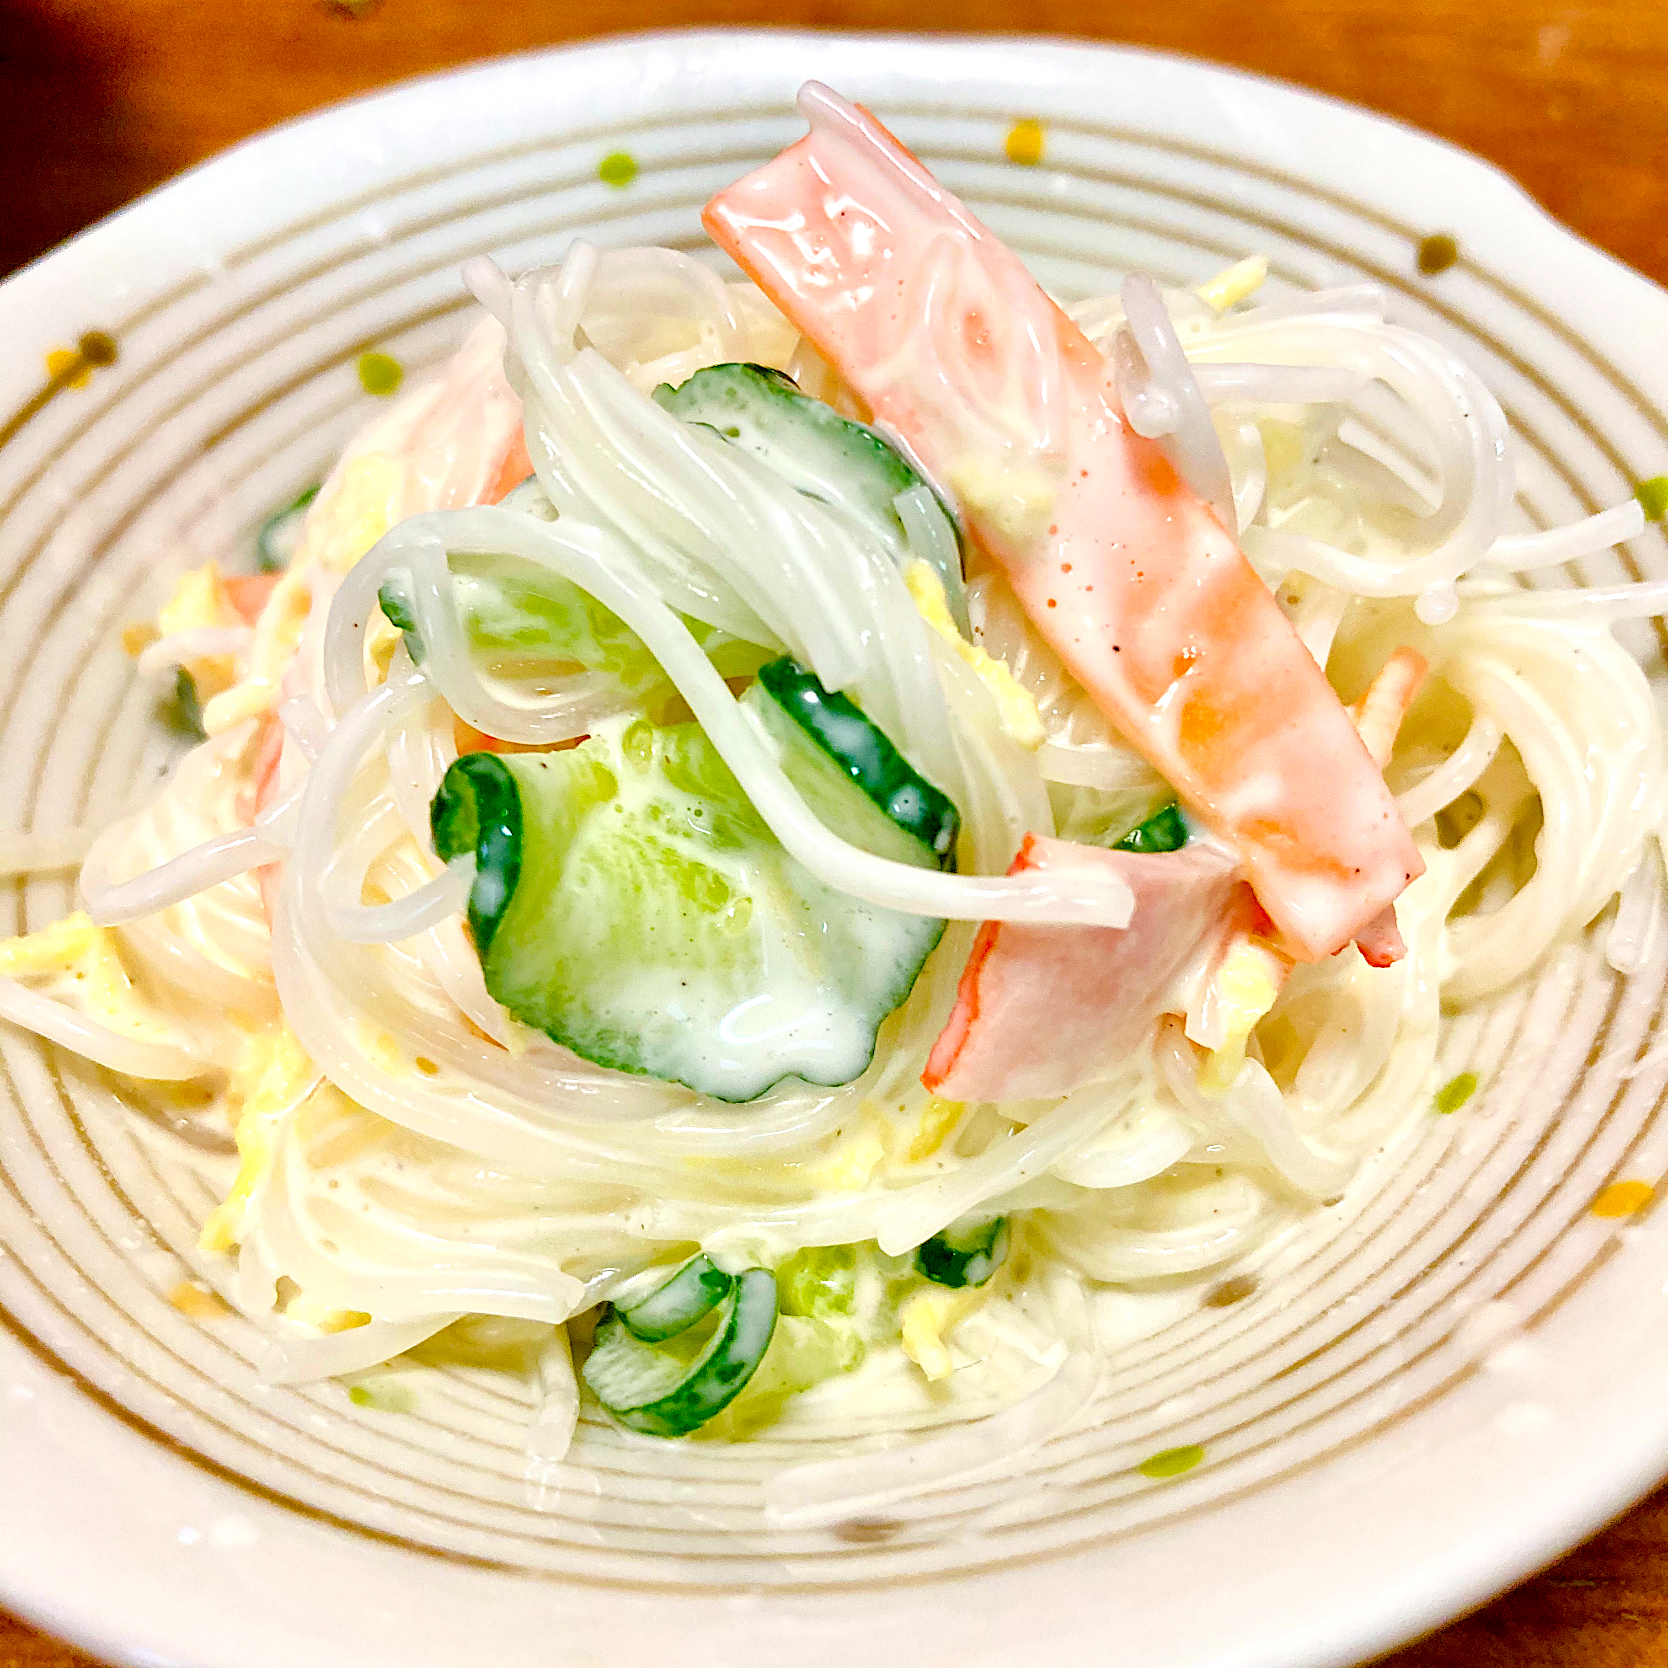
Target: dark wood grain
(22,1647)
(100,101)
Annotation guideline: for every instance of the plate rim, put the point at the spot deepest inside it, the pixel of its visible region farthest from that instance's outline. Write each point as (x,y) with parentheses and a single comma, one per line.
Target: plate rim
(1519,1549)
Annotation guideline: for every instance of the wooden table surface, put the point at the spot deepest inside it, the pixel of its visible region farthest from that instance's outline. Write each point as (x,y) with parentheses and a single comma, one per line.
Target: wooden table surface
(102,99)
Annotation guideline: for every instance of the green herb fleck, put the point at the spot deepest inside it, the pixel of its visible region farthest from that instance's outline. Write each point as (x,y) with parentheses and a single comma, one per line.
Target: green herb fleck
(1437,253)
(383,1398)
(185,712)
(618,168)
(1172,1462)
(1456,1092)
(380,374)
(1653,497)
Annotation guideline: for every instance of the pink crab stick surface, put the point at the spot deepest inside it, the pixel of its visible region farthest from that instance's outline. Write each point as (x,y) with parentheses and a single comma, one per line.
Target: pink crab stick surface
(1095,992)
(1191,914)
(1010,992)
(1125,571)
(455,441)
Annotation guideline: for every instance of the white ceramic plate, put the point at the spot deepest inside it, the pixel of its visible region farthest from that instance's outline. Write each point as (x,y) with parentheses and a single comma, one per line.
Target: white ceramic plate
(1461,1371)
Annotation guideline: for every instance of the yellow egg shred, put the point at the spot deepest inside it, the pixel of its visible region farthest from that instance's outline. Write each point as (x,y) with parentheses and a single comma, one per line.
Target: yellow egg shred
(1020,718)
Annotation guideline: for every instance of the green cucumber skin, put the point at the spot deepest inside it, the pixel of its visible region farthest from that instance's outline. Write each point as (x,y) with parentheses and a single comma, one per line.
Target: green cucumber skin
(514,616)
(477,812)
(715,1378)
(629,938)
(958,1260)
(1165,830)
(848,466)
(828,457)
(689,1296)
(185,710)
(396,607)
(866,755)
(393,601)
(270,557)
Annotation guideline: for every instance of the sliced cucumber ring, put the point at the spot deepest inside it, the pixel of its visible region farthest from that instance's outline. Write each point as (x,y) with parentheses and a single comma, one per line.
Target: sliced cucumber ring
(689,1296)
(1164,830)
(964,1256)
(846,465)
(661,1390)
(630,903)
(809,444)
(861,754)
(522,621)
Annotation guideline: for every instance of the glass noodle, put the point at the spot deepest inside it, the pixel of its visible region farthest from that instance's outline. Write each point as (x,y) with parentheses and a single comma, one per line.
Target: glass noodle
(454,1163)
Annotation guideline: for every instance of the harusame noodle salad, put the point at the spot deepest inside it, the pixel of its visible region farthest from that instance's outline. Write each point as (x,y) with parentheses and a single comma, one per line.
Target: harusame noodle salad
(781,851)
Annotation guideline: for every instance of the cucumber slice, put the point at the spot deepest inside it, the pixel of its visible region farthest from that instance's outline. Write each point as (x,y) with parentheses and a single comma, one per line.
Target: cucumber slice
(630,902)
(665,1390)
(522,621)
(184,712)
(394,600)
(964,1256)
(281,532)
(478,810)
(689,1296)
(847,748)
(804,1350)
(809,444)
(819,1281)
(1164,830)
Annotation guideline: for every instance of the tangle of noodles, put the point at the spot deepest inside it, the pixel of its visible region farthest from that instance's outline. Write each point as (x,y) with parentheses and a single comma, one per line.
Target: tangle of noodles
(434,1159)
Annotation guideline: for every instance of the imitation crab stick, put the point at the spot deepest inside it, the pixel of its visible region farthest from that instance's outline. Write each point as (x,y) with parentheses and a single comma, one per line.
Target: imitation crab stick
(1379,713)
(449,443)
(1095,992)
(452,442)
(1125,571)
(1009,998)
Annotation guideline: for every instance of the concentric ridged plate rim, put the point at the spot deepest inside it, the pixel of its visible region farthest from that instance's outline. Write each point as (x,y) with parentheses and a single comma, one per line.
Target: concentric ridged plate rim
(1045,59)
